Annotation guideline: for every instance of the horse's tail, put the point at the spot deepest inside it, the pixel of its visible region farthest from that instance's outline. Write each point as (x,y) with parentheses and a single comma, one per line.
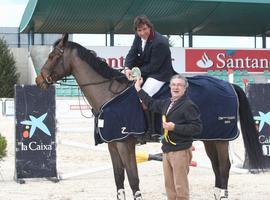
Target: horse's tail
(254,155)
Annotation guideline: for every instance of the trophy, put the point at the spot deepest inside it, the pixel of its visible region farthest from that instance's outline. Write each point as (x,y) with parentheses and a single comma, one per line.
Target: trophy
(135,73)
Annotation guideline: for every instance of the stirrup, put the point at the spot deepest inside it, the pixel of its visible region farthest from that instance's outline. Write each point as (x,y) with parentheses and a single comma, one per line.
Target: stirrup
(121,194)
(138,195)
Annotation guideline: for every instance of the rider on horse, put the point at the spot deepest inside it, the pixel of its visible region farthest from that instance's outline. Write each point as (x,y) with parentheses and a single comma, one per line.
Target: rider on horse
(151,53)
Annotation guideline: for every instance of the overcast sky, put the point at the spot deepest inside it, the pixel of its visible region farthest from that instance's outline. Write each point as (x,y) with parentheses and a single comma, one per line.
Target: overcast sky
(11,12)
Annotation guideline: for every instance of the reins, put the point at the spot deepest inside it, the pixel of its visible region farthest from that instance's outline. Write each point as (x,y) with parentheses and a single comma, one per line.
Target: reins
(61,51)
(87,84)
(94,83)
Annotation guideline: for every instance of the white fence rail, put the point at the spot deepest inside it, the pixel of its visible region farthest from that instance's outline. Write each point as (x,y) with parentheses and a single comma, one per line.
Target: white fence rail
(72,115)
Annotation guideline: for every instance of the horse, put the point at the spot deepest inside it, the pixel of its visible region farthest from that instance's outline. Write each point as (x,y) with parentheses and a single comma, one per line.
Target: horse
(100,84)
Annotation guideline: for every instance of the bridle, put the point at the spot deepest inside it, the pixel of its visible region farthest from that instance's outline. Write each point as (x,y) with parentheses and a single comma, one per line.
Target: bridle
(48,80)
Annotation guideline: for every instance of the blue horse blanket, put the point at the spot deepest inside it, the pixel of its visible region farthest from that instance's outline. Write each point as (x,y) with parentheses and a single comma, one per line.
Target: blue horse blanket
(218,104)
(216,99)
(120,117)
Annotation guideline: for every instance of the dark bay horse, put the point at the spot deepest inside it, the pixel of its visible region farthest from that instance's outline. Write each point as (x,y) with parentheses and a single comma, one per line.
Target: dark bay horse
(100,84)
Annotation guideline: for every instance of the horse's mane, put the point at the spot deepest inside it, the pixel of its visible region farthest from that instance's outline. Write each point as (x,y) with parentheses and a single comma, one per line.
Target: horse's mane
(97,63)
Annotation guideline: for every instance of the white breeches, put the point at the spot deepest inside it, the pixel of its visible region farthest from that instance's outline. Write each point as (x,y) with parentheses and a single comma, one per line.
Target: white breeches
(152,86)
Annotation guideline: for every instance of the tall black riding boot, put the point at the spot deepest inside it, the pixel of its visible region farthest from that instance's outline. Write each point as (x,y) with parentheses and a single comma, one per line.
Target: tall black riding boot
(150,128)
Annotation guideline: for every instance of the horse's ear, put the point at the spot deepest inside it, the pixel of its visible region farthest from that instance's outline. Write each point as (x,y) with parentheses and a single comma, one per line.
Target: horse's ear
(64,39)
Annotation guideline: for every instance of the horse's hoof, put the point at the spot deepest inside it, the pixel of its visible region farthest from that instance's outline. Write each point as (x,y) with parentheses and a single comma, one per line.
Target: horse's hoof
(138,195)
(217,193)
(224,194)
(220,194)
(121,194)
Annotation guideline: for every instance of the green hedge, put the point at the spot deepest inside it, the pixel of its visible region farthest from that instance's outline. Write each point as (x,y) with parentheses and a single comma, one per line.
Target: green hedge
(3,147)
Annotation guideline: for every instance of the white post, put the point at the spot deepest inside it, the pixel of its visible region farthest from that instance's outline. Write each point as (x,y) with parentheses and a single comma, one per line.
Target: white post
(230,76)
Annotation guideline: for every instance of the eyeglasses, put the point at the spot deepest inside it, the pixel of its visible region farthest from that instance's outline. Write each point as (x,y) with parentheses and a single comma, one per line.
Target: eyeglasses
(177,85)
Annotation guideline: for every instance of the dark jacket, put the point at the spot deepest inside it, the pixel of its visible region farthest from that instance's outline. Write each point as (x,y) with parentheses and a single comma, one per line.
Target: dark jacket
(155,61)
(184,113)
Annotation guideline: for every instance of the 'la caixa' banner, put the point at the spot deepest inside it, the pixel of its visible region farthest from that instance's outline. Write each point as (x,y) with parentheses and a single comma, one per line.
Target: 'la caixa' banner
(259,98)
(35,132)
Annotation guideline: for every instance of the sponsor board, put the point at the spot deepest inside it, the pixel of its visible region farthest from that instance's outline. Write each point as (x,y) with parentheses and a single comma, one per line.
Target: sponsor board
(35,155)
(115,56)
(192,60)
(202,60)
(258,95)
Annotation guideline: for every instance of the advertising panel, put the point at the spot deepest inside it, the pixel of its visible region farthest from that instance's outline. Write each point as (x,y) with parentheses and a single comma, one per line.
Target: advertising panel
(258,95)
(202,60)
(35,149)
(192,60)
(115,56)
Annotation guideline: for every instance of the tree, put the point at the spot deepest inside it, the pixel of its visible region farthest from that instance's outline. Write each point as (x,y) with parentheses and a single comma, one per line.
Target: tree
(3,147)
(8,71)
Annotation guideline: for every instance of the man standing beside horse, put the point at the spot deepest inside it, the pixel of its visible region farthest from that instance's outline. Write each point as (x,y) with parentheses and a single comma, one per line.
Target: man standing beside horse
(182,123)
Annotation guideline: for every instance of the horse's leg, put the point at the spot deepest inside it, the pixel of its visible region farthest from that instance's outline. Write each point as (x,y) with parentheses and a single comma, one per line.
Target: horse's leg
(127,153)
(118,170)
(218,153)
(211,152)
(224,167)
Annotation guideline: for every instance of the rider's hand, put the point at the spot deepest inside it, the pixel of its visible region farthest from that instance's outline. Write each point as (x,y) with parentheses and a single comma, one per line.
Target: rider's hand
(127,72)
(138,84)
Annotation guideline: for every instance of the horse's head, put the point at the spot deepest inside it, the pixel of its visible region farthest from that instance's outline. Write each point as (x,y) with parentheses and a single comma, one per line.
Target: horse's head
(56,66)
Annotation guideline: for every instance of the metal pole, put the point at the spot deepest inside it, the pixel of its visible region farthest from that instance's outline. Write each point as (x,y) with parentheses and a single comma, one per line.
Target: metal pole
(183,40)
(28,42)
(111,38)
(19,38)
(42,38)
(264,40)
(190,39)
(32,34)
